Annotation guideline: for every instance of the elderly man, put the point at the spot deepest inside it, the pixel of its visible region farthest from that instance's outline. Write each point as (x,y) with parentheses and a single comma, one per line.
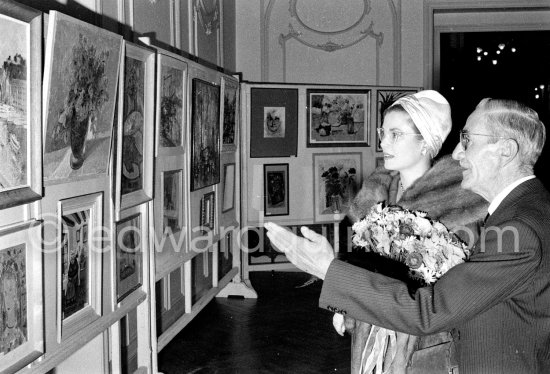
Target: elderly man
(498,302)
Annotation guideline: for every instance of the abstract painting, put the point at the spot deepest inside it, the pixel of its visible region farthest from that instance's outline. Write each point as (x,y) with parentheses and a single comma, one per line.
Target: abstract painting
(229,109)
(276,190)
(171,81)
(81,73)
(205,141)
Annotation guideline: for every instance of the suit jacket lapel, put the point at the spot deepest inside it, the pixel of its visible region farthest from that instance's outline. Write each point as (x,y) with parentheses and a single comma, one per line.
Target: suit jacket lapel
(505,210)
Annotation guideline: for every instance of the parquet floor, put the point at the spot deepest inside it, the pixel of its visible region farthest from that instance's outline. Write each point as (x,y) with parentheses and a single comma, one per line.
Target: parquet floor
(283,331)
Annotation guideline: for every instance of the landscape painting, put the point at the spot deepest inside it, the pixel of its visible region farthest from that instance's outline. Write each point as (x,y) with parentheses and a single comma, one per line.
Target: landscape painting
(82,65)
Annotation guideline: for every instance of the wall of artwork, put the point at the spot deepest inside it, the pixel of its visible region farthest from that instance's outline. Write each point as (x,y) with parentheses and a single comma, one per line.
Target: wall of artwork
(119,193)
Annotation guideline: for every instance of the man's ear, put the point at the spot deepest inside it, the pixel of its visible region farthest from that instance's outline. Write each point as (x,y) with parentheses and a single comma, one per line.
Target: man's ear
(509,148)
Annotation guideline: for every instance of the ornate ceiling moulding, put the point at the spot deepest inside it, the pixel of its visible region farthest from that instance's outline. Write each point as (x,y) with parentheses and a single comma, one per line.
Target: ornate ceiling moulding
(208,12)
(330,41)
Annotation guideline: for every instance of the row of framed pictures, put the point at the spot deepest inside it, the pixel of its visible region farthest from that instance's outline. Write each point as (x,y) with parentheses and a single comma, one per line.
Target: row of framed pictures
(336,179)
(335,118)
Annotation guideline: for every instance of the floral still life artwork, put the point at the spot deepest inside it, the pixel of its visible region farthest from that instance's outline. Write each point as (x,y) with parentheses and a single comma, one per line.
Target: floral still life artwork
(13,299)
(425,246)
(80,81)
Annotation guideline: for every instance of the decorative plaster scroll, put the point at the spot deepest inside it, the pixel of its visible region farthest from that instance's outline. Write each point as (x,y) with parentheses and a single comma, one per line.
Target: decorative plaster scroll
(208,13)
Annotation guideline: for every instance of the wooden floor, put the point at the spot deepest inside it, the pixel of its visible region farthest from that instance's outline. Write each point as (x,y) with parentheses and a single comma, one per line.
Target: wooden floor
(283,331)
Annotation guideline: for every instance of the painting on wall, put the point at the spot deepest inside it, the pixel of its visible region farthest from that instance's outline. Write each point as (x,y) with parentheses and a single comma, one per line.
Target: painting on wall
(228,200)
(229,111)
(128,256)
(79,262)
(336,179)
(205,135)
(171,75)
(135,130)
(276,189)
(172,201)
(338,118)
(274,122)
(21,330)
(80,85)
(208,211)
(20,116)
(384,99)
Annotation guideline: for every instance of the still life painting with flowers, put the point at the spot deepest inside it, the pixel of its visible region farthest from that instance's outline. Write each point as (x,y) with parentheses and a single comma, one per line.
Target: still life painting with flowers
(338,117)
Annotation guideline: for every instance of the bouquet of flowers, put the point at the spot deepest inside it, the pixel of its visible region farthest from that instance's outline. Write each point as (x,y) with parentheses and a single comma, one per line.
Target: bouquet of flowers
(427,247)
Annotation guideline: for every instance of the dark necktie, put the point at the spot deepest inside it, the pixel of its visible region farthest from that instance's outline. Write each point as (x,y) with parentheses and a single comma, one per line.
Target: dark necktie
(486,218)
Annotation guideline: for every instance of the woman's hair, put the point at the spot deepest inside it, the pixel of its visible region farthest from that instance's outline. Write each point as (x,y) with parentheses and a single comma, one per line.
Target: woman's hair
(399,108)
(512,119)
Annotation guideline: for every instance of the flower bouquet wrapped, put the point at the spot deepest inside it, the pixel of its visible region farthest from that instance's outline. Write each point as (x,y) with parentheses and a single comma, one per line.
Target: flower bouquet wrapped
(428,249)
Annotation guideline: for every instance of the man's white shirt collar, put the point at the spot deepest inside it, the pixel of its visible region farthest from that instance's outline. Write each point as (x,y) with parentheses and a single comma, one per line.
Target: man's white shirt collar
(505,192)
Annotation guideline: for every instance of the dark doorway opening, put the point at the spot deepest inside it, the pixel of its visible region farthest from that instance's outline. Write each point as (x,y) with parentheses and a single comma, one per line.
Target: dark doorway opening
(506,64)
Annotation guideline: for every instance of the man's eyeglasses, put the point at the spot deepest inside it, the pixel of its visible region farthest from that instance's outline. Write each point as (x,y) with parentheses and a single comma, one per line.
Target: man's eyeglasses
(465,137)
(393,135)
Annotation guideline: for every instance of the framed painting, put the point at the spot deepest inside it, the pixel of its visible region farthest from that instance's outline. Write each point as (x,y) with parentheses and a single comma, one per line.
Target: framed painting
(229,110)
(274,122)
(379,162)
(228,199)
(21,302)
(338,118)
(129,236)
(172,195)
(384,99)
(336,178)
(276,190)
(135,130)
(79,263)
(171,78)
(80,82)
(208,212)
(20,109)
(205,135)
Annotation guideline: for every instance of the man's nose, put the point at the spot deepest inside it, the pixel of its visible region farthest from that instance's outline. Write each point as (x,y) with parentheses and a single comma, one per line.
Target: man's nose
(458,152)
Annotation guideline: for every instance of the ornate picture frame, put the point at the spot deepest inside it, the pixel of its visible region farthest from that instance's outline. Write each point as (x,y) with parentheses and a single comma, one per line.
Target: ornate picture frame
(338,117)
(384,99)
(336,179)
(229,114)
(276,190)
(205,135)
(21,116)
(79,262)
(80,85)
(21,298)
(135,130)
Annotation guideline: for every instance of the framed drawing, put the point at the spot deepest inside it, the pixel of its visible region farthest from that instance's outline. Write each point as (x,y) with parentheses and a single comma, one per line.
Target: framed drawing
(228,198)
(336,178)
(172,195)
(379,162)
(274,122)
(338,118)
(208,211)
(21,303)
(276,190)
(21,97)
(205,135)
(171,78)
(129,235)
(384,99)
(81,74)
(135,130)
(229,111)
(79,262)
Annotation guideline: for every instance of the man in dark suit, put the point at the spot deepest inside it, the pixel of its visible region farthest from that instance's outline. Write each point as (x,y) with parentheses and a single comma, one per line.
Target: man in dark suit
(498,302)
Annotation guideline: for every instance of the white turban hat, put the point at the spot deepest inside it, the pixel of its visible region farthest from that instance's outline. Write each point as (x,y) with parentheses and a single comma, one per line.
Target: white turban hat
(431,114)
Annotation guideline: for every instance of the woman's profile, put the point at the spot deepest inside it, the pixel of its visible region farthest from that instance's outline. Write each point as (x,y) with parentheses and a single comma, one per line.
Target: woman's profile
(413,131)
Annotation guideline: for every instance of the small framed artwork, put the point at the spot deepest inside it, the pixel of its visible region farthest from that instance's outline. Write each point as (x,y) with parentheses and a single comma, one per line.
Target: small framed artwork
(229,110)
(135,130)
(79,262)
(274,122)
(338,118)
(20,117)
(21,303)
(129,237)
(379,162)
(172,195)
(208,204)
(384,99)
(171,78)
(228,199)
(336,178)
(80,82)
(276,190)
(205,132)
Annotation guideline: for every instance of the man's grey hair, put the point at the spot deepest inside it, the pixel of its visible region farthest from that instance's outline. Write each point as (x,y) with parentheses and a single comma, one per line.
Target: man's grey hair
(517,121)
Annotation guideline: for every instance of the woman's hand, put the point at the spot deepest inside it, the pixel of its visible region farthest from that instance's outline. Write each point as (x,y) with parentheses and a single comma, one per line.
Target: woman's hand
(338,323)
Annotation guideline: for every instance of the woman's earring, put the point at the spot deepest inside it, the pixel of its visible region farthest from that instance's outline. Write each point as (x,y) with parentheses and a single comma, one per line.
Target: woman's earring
(423,151)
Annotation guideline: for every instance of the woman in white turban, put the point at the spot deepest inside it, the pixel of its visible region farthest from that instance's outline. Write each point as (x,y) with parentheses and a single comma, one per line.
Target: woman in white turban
(414,129)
